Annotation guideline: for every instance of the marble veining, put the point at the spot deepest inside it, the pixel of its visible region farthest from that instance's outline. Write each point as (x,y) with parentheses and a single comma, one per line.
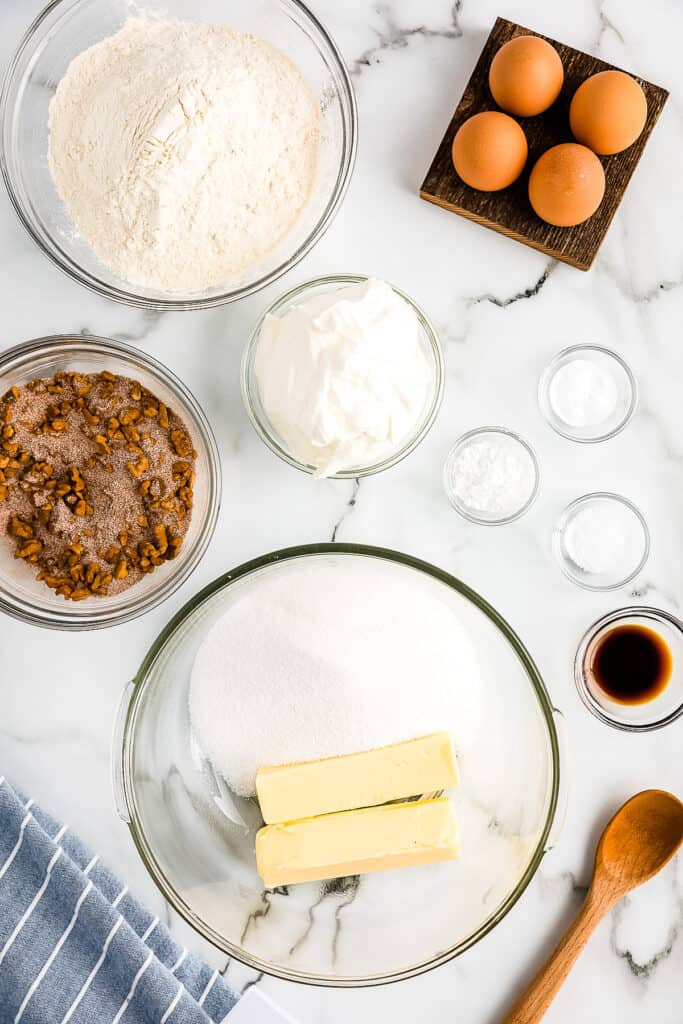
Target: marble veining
(502,311)
(391,36)
(509,300)
(261,911)
(350,505)
(345,891)
(644,969)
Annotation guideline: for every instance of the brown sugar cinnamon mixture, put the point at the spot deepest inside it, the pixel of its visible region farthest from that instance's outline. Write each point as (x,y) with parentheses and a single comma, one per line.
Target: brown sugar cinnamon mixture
(96,479)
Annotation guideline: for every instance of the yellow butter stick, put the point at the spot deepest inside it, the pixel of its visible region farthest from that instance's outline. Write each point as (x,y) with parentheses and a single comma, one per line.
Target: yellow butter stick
(357,842)
(309,788)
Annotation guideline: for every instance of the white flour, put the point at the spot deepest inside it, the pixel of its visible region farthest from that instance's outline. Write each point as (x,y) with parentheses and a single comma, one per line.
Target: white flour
(183,152)
(312,664)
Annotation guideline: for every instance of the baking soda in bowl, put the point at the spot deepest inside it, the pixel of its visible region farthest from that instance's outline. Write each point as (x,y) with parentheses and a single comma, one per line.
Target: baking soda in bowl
(587,393)
(327,662)
(583,393)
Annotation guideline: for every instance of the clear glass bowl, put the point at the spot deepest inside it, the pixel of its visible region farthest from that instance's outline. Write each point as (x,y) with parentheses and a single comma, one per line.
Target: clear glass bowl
(667,706)
(196,838)
(25,597)
(602,580)
(508,439)
(626,394)
(67,27)
(257,414)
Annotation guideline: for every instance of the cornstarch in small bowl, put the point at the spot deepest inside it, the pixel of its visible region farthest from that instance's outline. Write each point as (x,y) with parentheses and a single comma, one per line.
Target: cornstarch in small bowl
(491,476)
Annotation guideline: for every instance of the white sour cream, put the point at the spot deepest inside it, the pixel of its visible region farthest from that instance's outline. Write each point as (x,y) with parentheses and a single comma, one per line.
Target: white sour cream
(343,377)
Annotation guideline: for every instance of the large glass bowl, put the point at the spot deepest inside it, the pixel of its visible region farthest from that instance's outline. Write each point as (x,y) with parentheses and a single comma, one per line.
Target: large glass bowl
(429,343)
(27,598)
(67,27)
(197,839)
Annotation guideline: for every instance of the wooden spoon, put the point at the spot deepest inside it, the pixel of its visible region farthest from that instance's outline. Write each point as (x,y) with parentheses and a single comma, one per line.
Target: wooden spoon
(640,839)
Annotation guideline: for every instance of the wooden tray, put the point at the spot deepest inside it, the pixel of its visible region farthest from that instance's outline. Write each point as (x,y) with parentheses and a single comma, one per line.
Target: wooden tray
(509,210)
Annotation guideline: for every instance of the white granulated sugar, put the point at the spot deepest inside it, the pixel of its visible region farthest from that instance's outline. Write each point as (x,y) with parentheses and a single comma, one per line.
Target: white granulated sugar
(317,663)
(183,152)
(494,476)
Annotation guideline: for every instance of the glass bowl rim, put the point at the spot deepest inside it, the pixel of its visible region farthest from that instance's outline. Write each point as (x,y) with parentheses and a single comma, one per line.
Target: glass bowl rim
(266,432)
(561,523)
(472,517)
(122,755)
(22,356)
(548,373)
(610,618)
(129,297)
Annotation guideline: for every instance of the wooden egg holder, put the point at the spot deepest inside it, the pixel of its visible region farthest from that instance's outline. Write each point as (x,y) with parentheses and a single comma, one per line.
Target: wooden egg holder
(509,211)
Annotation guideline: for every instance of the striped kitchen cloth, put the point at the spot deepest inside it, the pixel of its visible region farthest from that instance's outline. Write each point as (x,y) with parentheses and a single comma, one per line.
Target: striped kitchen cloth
(76,947)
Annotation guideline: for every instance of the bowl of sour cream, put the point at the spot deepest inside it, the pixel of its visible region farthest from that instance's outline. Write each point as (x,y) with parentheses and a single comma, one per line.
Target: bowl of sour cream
(343,376)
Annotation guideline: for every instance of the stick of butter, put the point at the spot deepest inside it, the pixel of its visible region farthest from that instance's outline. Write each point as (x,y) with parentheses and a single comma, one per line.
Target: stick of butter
(357,842)
(309,788)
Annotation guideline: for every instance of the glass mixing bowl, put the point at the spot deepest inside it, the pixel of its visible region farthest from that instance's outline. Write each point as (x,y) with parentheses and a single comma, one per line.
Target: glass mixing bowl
(430,344)
(196,837)
(67,27)
(25,597)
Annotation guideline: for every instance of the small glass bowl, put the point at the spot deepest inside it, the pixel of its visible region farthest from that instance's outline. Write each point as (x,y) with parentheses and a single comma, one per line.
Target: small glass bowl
(627,394)
(599,580)
(28,599)
(511,440)
(667,706)
(63,30)
(431,347)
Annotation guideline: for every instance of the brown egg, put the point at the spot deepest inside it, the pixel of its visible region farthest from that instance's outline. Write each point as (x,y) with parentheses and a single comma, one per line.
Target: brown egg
(566,185)
(489,151)
(608,112)
(526,76)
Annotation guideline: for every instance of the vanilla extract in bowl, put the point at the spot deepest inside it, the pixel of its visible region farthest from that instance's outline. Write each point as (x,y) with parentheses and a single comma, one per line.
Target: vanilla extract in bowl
(632,664)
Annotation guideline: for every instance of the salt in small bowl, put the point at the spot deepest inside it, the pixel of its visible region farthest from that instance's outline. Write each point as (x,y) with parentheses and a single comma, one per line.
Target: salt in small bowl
(602,577)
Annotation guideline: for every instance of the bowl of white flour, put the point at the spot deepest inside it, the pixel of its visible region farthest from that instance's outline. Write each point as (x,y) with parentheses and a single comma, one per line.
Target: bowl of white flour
(182,158)
(319,651)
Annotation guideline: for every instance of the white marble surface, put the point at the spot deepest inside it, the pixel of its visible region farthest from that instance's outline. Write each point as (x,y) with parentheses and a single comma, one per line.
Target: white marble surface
(503,311)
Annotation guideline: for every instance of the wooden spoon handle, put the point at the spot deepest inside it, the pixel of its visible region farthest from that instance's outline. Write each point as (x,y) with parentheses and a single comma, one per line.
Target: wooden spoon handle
(534,1001)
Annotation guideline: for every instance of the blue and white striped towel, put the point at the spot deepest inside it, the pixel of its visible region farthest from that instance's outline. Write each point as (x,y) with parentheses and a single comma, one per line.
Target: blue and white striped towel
(76,947)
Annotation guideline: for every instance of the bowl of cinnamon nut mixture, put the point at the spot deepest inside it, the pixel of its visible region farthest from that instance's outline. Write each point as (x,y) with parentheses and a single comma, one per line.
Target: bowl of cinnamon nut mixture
(109,482)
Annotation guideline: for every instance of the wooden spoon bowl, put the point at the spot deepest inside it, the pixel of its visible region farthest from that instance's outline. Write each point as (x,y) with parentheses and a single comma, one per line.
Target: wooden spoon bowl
(639,840)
